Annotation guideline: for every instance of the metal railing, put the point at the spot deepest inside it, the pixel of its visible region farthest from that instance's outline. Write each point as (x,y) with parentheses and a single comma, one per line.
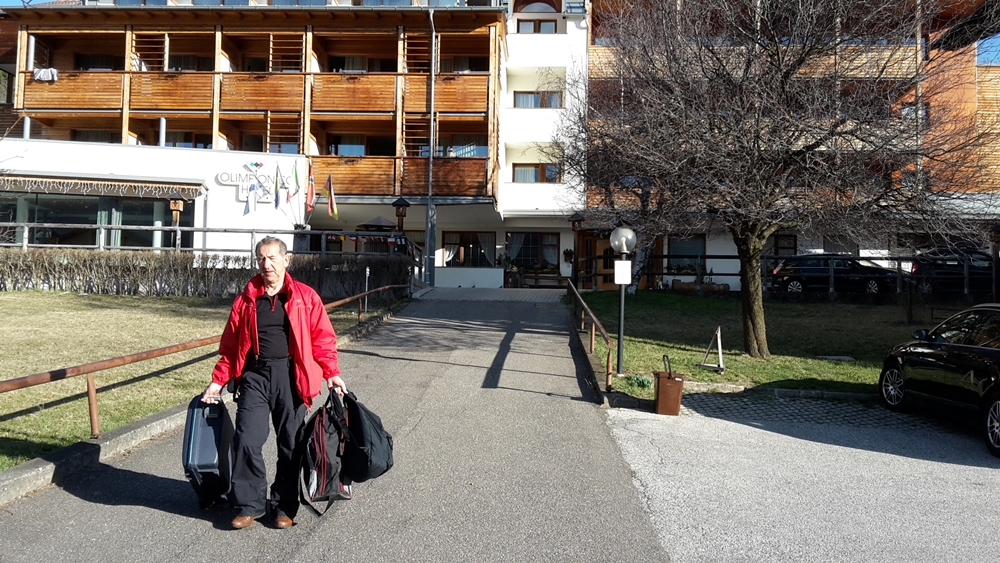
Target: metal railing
(91,368)
(595,326)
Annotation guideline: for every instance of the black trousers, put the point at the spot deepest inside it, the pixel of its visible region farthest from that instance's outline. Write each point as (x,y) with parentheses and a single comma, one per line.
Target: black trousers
(267,388)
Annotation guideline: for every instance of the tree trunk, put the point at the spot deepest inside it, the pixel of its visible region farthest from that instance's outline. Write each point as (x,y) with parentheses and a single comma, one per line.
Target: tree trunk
(749,248)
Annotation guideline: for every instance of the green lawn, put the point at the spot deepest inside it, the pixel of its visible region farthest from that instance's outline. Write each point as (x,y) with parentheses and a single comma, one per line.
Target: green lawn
(49,330)
(682,326)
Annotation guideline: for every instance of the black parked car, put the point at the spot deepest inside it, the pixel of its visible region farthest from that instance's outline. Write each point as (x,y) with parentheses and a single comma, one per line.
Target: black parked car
(811,272)
(943,270)
(956,363)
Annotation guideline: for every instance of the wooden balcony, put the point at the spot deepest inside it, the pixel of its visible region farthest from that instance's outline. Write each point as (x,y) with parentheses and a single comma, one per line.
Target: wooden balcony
(359,175)
(452,177)
(171,90)
(376,175)
(462,93)
(354,92)
(453,93)
(259,91)
(601,62)
(75,90)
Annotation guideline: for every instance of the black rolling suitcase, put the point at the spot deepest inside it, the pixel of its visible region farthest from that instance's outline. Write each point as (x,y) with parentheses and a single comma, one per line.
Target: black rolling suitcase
(207,454)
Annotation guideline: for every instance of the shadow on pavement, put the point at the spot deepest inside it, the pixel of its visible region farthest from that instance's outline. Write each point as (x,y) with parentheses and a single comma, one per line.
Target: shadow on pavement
(931,434)
(100,483)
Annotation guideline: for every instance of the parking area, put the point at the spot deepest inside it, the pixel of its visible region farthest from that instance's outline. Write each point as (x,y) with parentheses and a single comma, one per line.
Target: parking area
(743,478)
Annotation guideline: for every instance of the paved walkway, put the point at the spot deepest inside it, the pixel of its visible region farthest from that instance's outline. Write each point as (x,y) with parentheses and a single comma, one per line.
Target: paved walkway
(502,454)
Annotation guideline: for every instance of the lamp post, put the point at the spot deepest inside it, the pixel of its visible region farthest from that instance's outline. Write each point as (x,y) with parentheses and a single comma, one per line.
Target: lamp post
(576,223)
(400,205)
(176,208)
(622,241)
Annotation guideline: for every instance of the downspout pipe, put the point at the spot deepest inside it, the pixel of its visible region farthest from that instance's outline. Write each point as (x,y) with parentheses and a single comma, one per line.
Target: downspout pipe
(430,234)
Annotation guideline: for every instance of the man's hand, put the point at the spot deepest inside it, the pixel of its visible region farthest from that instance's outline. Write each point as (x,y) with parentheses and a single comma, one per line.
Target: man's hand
(211,395)
(337,384)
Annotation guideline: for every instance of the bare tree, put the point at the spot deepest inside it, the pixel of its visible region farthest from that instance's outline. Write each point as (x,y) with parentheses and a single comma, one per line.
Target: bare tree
(760,115)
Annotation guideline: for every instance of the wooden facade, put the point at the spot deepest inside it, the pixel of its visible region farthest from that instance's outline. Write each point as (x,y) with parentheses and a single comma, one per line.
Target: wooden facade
(306,80)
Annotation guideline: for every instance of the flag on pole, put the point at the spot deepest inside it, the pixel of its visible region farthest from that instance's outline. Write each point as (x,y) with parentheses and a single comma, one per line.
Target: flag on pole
(295,174)
(311,191)
(331,202)
(279,183)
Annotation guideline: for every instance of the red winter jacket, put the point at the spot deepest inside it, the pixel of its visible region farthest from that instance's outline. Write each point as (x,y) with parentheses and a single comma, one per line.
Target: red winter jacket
(312,344)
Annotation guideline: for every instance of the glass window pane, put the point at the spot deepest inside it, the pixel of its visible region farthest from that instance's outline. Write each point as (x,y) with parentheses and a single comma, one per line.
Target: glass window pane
(554,100)
(525,27)
(956,329)
(527,100)
(547,27)
(526,173)
(553,174)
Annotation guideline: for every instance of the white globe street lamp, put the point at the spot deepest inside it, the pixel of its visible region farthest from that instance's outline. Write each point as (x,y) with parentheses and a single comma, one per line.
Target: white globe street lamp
(622,241)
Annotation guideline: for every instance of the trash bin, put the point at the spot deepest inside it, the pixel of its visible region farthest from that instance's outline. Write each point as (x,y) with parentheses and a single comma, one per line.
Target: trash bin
(669,387)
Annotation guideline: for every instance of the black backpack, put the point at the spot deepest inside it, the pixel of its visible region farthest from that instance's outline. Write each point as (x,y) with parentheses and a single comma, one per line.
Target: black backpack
(367,446)
(319,445)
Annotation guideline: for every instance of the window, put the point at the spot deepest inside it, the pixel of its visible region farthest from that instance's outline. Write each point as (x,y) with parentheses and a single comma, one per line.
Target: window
(463,146)
(347,145)
(348,64)
(840,245)
(536,26)
(685,254)
(541,173)
(911,180)
(190,62)
(988,51)
(781,245)
(98,62)
(909,112)
(255,64)
(382,65)
(470,249)
(537,252)
(189,140)
(91,136)
(987,333)
(538,99)
(464,64)
(955,330)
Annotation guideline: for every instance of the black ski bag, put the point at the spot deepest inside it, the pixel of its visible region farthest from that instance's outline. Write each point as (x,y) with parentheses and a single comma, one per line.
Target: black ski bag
(320,444)
(368,447)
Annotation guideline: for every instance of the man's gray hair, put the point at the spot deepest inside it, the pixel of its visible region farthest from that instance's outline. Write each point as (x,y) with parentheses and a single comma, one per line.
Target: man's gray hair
(268,241)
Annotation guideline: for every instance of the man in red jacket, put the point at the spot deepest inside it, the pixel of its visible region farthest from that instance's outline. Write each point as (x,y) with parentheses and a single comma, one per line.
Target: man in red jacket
(279,346)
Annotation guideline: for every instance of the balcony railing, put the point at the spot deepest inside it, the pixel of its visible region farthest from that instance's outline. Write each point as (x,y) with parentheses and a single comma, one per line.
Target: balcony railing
(171,90)
(75,90)
(358,175)
(259,91)
(452,176)
(252,91)
(377,175)
(453,93)
(354,91)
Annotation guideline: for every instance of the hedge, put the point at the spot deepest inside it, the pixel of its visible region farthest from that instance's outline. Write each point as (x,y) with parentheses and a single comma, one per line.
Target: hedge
(171,273)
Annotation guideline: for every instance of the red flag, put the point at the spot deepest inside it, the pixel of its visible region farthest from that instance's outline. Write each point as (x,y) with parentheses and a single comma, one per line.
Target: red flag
(331,203)
(311,191)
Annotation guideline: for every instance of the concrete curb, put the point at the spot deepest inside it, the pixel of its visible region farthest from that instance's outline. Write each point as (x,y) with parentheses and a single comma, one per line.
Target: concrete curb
(51,468)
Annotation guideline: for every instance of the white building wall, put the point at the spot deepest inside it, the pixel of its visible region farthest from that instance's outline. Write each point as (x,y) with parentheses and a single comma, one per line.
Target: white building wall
(539,62)
(221,175)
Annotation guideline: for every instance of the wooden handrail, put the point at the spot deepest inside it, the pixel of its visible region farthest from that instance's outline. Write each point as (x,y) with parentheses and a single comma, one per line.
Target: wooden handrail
(92,367)
(595,325)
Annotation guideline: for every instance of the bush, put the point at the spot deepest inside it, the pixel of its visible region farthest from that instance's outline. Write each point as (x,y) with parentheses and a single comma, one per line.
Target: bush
(172,273)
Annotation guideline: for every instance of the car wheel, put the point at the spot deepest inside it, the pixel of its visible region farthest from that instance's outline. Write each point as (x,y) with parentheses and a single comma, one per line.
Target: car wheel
(925,287)
(871,287)
(891,388)
(794,286)
(991,424)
